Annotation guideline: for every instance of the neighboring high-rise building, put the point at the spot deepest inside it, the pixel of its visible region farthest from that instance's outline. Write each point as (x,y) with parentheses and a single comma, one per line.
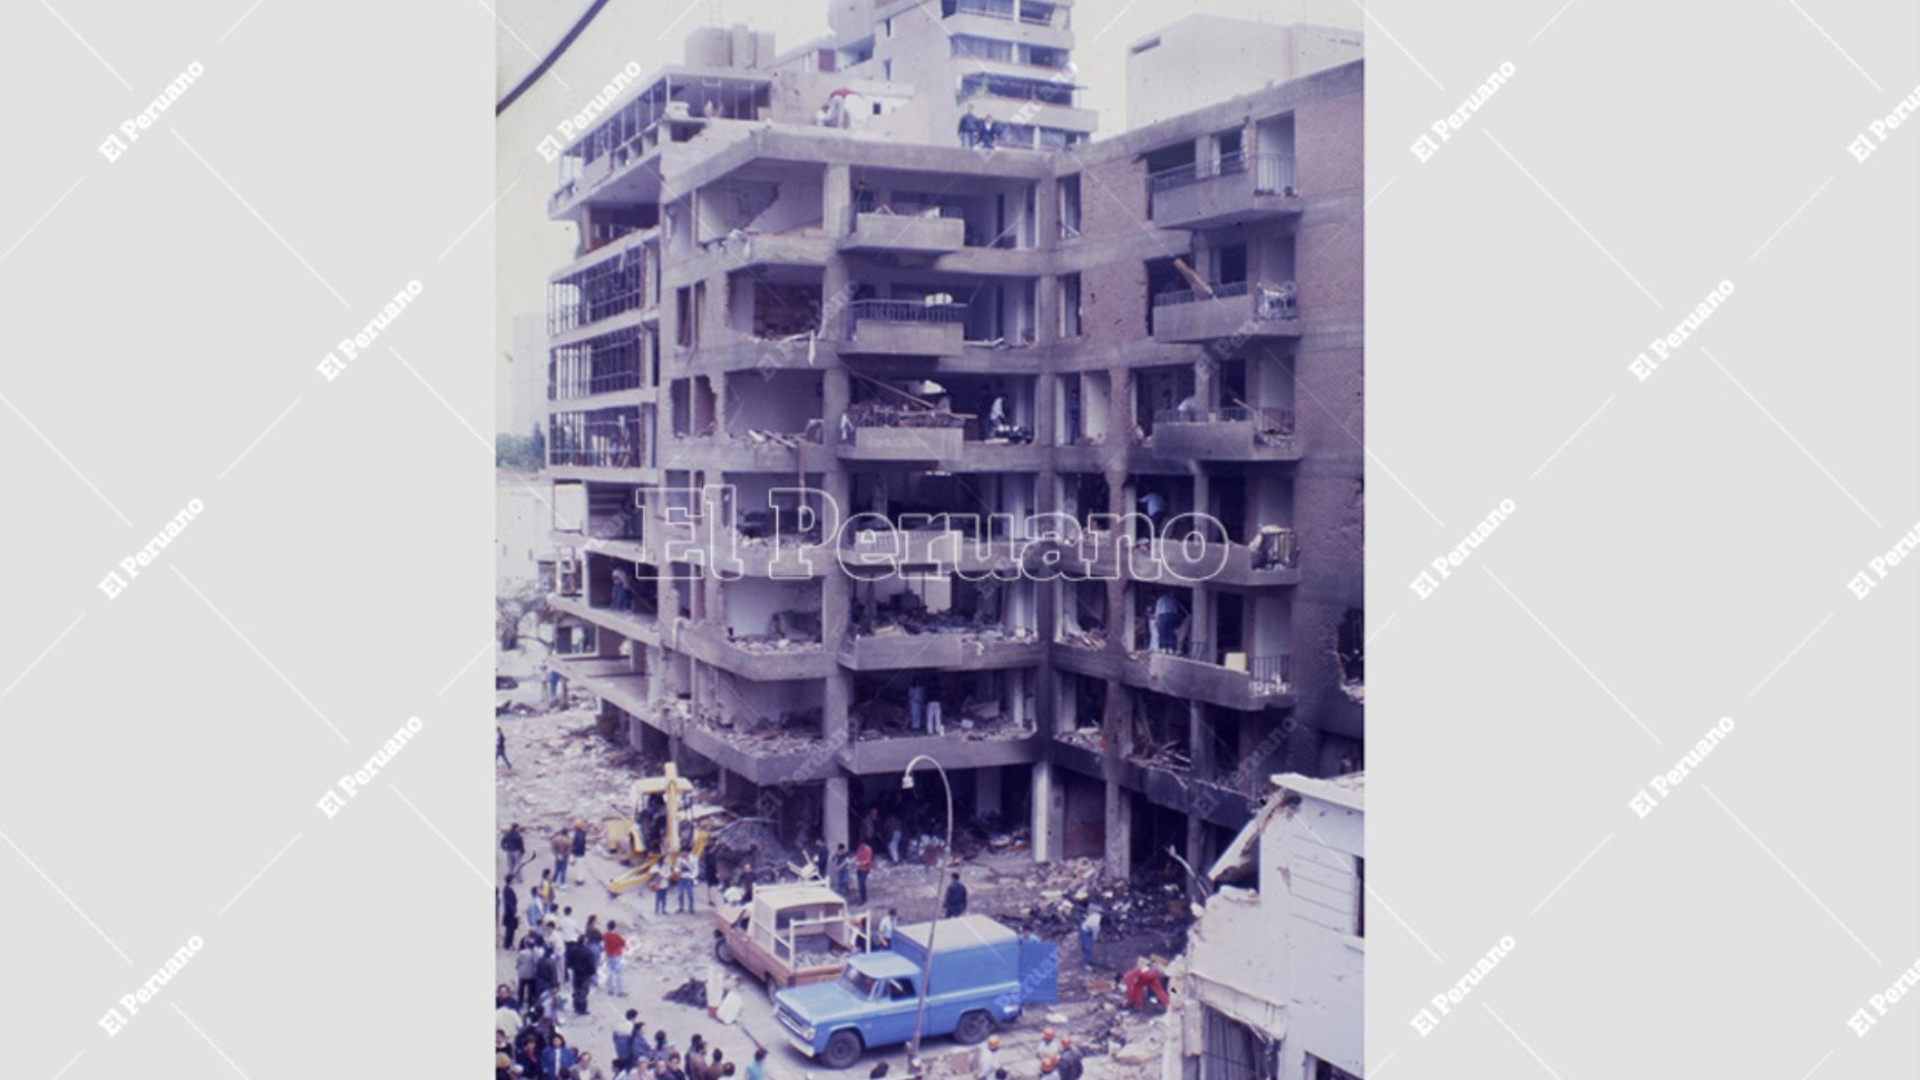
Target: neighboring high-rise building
(769,317)
(1204,58)
(1008,59)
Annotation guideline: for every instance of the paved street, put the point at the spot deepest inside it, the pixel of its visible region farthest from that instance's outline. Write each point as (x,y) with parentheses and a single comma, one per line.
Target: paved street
(564,771)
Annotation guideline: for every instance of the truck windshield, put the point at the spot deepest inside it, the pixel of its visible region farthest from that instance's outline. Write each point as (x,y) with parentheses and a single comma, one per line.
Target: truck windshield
(860,985)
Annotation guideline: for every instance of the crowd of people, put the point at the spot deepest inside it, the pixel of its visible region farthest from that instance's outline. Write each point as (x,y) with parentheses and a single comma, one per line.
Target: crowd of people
(560,962)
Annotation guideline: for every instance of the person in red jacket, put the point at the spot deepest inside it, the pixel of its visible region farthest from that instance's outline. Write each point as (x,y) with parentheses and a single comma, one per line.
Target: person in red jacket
(615,948)
(1141,981)
(862,866)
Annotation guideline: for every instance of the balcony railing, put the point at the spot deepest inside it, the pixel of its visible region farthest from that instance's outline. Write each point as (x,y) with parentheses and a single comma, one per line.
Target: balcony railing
(1265,674)
(1268,421)
(1273,302)
(1044,91)
(1272,173)
(606,444)
(906,311)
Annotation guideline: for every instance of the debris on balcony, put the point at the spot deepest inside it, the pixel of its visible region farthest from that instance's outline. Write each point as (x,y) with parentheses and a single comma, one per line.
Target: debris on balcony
(1276,548)
(1095,638)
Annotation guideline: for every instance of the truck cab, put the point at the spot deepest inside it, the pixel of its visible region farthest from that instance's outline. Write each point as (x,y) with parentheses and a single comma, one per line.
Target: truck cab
(983,975)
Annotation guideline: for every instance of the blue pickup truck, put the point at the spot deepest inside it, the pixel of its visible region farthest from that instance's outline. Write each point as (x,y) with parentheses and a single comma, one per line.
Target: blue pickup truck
(983,975)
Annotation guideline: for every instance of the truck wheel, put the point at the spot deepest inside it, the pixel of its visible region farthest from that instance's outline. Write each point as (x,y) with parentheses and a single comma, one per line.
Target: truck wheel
(843,1049)
(974,1028)
(721,952)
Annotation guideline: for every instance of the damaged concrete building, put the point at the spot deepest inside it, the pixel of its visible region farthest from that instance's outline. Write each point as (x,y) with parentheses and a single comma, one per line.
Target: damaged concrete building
(1270,987)
(795,290)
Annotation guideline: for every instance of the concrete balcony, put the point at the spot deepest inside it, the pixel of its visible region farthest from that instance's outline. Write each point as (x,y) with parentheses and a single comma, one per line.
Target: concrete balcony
(1221,564)
(1236,189)
(761,661)
(634,626)
(1161,784)
(1235,434)
(1262,685)
(947,652)
(786,454)
(1227,312)
(912,228)
(956,749)
(905,328)
(908,444)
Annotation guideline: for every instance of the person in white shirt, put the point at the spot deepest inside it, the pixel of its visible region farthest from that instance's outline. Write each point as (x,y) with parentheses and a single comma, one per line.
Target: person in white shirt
(1089,933)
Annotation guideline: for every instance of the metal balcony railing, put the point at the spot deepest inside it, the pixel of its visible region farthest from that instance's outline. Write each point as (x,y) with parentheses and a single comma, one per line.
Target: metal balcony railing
(1268,420)
(905,311)
(607,444)
(1270,674)
(1188,296)
(1272,173)
(1272,303)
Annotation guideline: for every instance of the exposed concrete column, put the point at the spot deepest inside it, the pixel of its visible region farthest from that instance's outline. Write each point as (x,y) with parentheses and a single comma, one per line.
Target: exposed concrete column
(1119,831)
(1046,233)
(1200,741)
(835,819)
(1196,853)
(836,201)
(1047,808)
(1045,395)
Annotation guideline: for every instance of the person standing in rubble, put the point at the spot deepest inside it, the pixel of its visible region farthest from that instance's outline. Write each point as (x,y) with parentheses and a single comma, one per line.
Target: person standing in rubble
(579,844)
(1166,621)
(889,924)
(580,965)
(986,1060)
(515,846)
(862,866)
(840,870)
(685,871)
(500,747)
(659,883)
(509,915)
(936,716)
(955,903)
(1072,1065)
(917,703)
(1089,933)
(562,844)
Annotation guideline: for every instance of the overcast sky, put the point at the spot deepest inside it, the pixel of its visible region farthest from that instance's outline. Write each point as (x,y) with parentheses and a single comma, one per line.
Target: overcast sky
(652,32)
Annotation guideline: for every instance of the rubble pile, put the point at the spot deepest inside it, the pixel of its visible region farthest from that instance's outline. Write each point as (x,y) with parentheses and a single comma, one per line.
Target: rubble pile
(692,992)
(1085,639)
(751,840)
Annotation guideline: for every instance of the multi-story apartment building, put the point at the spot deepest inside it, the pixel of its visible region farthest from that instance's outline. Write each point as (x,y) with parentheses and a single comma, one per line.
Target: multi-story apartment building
(797,299)
(1271,985)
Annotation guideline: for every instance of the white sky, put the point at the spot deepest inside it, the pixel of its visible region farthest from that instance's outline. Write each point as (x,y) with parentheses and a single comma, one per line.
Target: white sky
(653,32)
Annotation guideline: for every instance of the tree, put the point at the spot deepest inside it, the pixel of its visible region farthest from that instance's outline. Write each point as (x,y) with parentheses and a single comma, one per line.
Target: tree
(511,612)
(527,453)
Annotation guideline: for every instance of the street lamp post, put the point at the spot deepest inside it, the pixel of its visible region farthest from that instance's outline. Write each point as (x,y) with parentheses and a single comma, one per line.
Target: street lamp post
(926,963)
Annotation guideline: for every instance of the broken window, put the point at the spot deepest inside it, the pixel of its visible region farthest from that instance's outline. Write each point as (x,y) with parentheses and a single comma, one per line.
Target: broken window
(1069,305)
(1069,206)
(1232,1050)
